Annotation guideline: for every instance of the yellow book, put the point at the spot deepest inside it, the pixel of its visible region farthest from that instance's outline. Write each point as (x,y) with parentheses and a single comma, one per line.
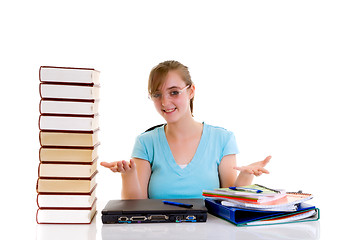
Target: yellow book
(71,139)
(66,185)
(68,154)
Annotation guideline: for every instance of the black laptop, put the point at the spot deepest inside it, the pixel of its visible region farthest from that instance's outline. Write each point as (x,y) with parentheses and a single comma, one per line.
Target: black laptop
(154,211)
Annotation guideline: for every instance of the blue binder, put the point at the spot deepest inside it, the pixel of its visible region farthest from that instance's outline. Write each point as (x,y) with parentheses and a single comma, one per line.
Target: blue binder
(241,217)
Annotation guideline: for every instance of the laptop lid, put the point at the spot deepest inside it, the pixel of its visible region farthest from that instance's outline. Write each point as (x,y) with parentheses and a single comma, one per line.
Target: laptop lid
(153,211)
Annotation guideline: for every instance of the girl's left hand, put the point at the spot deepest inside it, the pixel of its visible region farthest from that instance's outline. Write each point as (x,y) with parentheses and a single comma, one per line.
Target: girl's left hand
(256,168)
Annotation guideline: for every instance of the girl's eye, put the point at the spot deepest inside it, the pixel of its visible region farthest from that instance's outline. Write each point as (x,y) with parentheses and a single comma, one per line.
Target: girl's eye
(156,95)
(174,93)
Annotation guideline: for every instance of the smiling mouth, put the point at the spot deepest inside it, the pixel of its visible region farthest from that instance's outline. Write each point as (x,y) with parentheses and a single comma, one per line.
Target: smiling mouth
(169,110)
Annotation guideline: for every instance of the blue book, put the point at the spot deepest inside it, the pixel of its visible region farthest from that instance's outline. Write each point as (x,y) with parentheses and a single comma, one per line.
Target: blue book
(248,217)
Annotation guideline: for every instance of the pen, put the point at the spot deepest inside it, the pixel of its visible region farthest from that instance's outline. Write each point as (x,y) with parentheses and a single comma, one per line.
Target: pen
(246,189)
(185,205)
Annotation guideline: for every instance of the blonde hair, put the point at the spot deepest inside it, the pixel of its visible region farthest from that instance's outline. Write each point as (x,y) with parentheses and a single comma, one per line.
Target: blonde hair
(159,73)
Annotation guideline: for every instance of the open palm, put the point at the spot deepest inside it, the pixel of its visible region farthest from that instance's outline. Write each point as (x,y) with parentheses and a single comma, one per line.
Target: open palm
(256,168)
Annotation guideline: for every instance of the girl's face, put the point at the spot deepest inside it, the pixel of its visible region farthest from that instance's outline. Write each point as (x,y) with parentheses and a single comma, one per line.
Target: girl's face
(173,97)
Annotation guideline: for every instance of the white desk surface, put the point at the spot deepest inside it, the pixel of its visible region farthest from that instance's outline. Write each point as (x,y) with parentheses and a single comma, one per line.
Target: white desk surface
(214,228)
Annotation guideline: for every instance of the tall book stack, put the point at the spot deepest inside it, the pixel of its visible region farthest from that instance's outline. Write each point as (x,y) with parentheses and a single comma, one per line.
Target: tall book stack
(68,137)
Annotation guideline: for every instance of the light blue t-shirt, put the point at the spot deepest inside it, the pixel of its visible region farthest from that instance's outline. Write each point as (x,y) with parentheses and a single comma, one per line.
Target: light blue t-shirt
(168,179)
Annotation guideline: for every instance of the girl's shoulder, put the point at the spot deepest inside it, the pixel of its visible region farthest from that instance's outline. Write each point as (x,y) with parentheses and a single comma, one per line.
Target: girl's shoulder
(217,130)
(150,133)
(154,127)
(222,138)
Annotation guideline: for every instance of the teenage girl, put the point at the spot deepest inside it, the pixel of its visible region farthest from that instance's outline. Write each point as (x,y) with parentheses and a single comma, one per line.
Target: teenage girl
(182,157)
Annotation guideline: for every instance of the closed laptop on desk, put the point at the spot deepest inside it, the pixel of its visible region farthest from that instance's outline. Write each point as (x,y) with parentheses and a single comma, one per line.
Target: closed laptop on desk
(153,211)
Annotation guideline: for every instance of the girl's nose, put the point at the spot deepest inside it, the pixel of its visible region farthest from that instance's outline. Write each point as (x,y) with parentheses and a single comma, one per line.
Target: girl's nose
(164,99)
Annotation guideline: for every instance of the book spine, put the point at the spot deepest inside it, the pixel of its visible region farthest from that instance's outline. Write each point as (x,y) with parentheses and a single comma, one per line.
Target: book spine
(72,147)
(40,140)
(75,68)
(37,201)
(40,90)
(69,115)
(69,100)
(70,131)
(37,216)
(71,84)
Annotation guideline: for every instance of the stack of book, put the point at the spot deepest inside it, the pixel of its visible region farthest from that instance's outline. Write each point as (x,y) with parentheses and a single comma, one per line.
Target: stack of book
(255,205)
(69,142)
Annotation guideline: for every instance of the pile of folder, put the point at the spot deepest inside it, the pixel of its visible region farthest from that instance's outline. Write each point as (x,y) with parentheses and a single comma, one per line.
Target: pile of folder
(256,205)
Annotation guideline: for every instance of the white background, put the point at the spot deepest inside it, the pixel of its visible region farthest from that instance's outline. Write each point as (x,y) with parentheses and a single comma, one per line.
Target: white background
(282,75)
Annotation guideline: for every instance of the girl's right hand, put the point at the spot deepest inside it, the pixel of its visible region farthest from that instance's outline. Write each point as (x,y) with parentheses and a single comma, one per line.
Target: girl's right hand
(120,166)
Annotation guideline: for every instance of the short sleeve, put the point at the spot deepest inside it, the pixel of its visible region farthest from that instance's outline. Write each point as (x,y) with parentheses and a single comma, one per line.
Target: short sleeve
(231,145)
(139,150)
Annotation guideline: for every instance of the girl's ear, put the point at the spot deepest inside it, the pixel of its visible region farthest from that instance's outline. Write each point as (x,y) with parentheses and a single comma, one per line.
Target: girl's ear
(192,90)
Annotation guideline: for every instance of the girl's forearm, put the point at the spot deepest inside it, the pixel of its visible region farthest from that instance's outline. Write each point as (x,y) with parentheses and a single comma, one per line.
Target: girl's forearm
(243,179)
(131,188)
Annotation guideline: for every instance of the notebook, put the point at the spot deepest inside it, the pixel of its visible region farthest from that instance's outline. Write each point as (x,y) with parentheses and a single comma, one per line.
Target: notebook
(288,203)
(153,211)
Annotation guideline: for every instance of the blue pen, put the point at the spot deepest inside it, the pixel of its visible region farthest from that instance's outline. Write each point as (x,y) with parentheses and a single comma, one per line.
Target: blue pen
(185,205)
(246,189)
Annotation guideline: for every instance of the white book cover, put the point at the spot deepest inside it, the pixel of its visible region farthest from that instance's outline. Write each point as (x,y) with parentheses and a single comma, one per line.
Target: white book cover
(69,91)
(68,107)
(69,123)
(66,201)
(69,75)
(65,215)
